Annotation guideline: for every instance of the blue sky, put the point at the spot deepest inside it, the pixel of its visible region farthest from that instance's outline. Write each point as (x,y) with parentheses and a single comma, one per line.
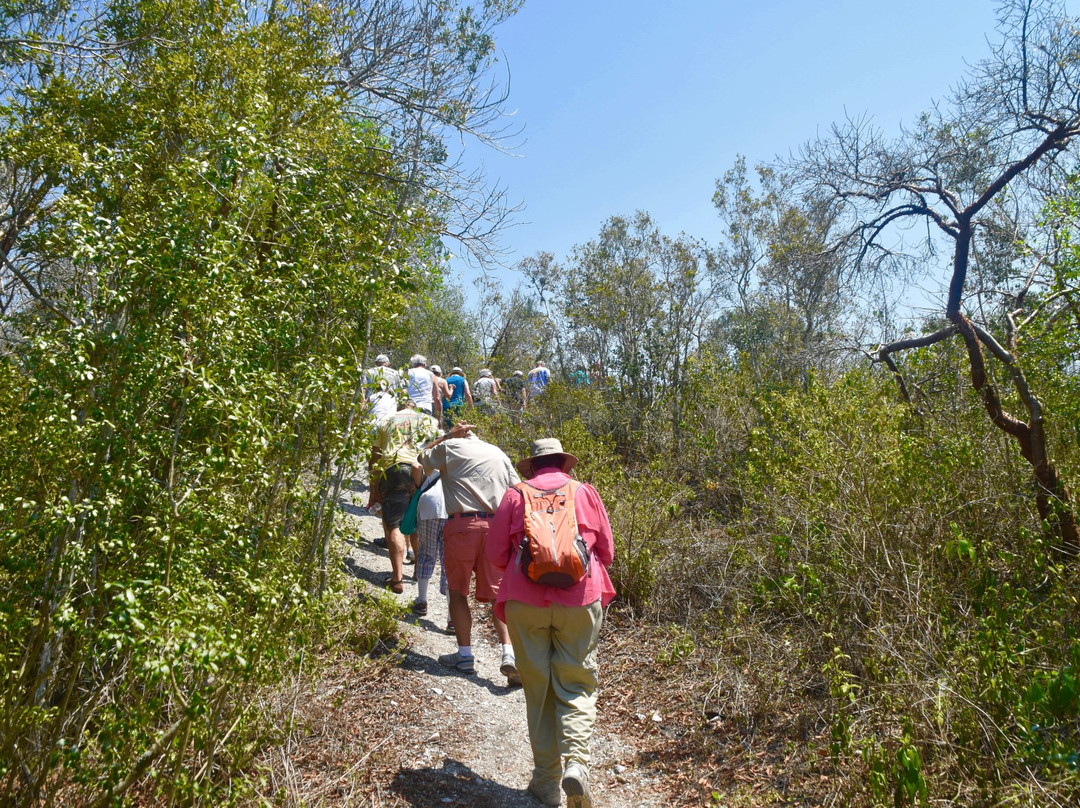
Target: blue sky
(640,104)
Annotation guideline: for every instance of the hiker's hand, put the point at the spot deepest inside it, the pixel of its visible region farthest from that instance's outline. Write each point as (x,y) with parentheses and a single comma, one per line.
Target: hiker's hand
(460,430)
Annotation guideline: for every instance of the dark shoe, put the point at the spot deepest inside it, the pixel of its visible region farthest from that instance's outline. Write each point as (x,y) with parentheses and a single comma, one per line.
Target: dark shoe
(419,607)
(395,585)
(575,783)
(449,626)
(379,542)
(548,796)
(462,664)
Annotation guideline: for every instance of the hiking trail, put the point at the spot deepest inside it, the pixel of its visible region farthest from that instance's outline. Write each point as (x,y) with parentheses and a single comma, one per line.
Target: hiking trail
(472,746)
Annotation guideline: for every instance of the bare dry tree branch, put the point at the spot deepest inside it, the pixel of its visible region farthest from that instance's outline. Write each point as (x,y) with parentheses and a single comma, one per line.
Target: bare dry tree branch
(1008,128)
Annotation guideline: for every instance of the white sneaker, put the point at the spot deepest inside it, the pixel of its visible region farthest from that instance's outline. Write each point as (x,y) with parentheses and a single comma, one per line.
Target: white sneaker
(575,784)
(509,670)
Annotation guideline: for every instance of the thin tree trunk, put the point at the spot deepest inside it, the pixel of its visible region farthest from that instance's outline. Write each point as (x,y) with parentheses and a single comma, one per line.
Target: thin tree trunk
(1053,500)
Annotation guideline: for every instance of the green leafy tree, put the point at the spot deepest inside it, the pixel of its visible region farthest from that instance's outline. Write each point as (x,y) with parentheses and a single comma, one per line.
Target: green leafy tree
(199,232)
(636,305)
(517,328)
(788,282)
(444,329)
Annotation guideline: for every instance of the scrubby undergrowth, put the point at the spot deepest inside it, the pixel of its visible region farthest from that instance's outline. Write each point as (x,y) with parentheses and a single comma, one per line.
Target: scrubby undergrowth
(858,596)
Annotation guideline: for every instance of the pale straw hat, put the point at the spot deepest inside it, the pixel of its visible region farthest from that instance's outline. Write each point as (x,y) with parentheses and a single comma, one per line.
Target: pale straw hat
(546,447)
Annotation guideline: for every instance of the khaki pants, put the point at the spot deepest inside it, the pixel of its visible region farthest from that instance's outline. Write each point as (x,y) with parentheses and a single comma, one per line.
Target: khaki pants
(555,647)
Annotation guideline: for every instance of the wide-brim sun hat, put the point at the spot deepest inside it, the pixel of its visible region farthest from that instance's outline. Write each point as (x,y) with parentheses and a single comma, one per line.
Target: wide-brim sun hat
(456,370)
(546,447)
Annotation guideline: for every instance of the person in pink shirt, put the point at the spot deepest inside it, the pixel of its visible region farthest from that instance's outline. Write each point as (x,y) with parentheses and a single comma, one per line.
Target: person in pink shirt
(555,632)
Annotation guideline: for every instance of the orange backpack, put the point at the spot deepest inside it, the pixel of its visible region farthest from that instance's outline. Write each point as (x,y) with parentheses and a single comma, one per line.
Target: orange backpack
(552,552)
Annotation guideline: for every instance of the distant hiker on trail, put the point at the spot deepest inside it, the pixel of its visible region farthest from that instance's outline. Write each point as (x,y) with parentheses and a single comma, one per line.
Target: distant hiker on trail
(554,630)
(382,384)
(514,386)
(536,381)
(430,521)
(460,396)
(442,389)
(422,387)
(486,391)
(475,476)
(397,444)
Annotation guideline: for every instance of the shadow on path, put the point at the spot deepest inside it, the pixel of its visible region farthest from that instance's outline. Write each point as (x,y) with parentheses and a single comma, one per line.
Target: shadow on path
(376,578)
(455,784)
(354,484)
(353,510)
(413,661)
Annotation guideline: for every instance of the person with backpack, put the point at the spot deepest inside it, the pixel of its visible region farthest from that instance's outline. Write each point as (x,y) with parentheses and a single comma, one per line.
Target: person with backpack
(381,385)
(397,445)
(552,538)
(486,391)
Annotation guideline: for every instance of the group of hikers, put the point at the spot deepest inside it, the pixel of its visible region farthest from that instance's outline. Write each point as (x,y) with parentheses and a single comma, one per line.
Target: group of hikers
(536,542)
(447,397)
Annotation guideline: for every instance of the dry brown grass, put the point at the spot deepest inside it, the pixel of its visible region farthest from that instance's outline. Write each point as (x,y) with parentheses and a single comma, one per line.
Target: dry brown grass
(722,730)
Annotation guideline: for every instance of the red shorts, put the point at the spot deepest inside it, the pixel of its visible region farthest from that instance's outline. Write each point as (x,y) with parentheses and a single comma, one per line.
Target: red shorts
(463,547)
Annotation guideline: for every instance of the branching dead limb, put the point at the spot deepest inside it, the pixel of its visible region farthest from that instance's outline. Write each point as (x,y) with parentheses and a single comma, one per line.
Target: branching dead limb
(885,353)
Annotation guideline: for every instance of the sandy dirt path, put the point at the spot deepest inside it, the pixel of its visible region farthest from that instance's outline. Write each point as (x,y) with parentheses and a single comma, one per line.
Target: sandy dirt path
(474,749)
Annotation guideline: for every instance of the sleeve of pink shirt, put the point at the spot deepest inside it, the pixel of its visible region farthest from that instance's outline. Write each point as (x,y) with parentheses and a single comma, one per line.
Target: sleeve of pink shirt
(594,525)
(500,538)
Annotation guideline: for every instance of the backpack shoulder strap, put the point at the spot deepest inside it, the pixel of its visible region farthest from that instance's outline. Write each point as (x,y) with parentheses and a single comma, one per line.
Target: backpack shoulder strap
(429,482)
(570,485)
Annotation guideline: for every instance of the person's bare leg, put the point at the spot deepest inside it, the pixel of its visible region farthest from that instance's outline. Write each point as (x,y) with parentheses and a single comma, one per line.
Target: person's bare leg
(395,545)
(374,494)
(500,629)
(462,617)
